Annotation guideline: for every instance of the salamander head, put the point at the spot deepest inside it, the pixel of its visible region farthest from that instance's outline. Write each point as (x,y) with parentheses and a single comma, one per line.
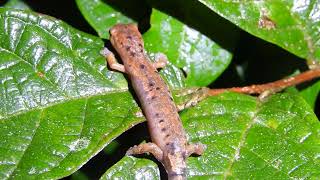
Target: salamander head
(127,39)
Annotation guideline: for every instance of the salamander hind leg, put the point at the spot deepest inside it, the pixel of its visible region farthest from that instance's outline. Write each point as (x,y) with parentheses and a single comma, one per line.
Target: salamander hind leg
(112,61)
(146,148)
(192,97)
(161,61)
(197,149)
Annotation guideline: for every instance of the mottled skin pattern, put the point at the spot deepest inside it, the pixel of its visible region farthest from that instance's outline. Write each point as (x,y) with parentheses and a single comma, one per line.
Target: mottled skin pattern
(169,143)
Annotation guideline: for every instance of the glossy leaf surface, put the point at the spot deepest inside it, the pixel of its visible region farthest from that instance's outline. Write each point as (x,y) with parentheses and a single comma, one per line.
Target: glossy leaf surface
(59,103)
(277,138)
(292,25)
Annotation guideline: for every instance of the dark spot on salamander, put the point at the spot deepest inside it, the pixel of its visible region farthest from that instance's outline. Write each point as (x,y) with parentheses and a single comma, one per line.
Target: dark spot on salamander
(163,129)
(153,97)
(127,48)
(142,66)
(151,81)
(157,114)
(171,147)
(140,45)
(129,37)
(132,54)
(161,121)
(157,88)
(141,50)
(167,135)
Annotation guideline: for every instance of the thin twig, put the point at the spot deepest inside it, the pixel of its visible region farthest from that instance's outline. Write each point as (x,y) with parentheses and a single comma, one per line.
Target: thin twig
(272,86)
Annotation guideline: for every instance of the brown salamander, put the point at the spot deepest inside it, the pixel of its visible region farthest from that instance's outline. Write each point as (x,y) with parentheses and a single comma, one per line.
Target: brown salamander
(169,142)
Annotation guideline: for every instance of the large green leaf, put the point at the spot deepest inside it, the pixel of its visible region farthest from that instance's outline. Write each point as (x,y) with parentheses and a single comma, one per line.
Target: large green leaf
(59,104)
(101,16)
(277,138)
(54,141)
(201,58)
(293,25)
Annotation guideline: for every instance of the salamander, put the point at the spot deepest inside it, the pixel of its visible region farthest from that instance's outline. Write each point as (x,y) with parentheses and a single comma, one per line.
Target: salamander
(169,142)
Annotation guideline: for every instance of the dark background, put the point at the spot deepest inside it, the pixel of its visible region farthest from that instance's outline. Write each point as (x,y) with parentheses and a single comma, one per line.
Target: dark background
(261,61)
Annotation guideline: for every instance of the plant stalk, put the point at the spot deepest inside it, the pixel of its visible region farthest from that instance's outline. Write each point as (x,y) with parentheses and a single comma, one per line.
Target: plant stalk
(273,87)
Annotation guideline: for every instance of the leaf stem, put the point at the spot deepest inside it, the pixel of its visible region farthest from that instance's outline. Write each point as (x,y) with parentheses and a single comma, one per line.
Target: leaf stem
(275,86)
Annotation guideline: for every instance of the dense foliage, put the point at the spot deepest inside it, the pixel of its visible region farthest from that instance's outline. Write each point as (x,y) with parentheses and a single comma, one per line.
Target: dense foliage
(60,105)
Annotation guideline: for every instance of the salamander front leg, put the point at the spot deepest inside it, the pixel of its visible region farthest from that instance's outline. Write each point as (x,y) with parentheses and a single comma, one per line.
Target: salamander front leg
(146,148)
(197,149)
(161,61)
(112,61)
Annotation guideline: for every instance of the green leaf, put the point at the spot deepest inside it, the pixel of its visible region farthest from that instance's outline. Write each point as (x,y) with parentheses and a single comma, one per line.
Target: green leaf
(59,104)
(311,93)
(201,58)
(172,75)
(101,16)
(129,168)
(292,25)
(17,4)
(248,139)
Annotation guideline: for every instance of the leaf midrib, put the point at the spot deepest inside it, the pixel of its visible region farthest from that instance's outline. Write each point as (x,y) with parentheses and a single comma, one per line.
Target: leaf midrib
(80,133)
(242,141)
(32,138)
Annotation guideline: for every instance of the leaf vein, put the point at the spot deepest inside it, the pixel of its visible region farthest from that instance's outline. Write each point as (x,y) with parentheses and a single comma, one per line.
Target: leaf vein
(241,143)
(80,133)
(28,146)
